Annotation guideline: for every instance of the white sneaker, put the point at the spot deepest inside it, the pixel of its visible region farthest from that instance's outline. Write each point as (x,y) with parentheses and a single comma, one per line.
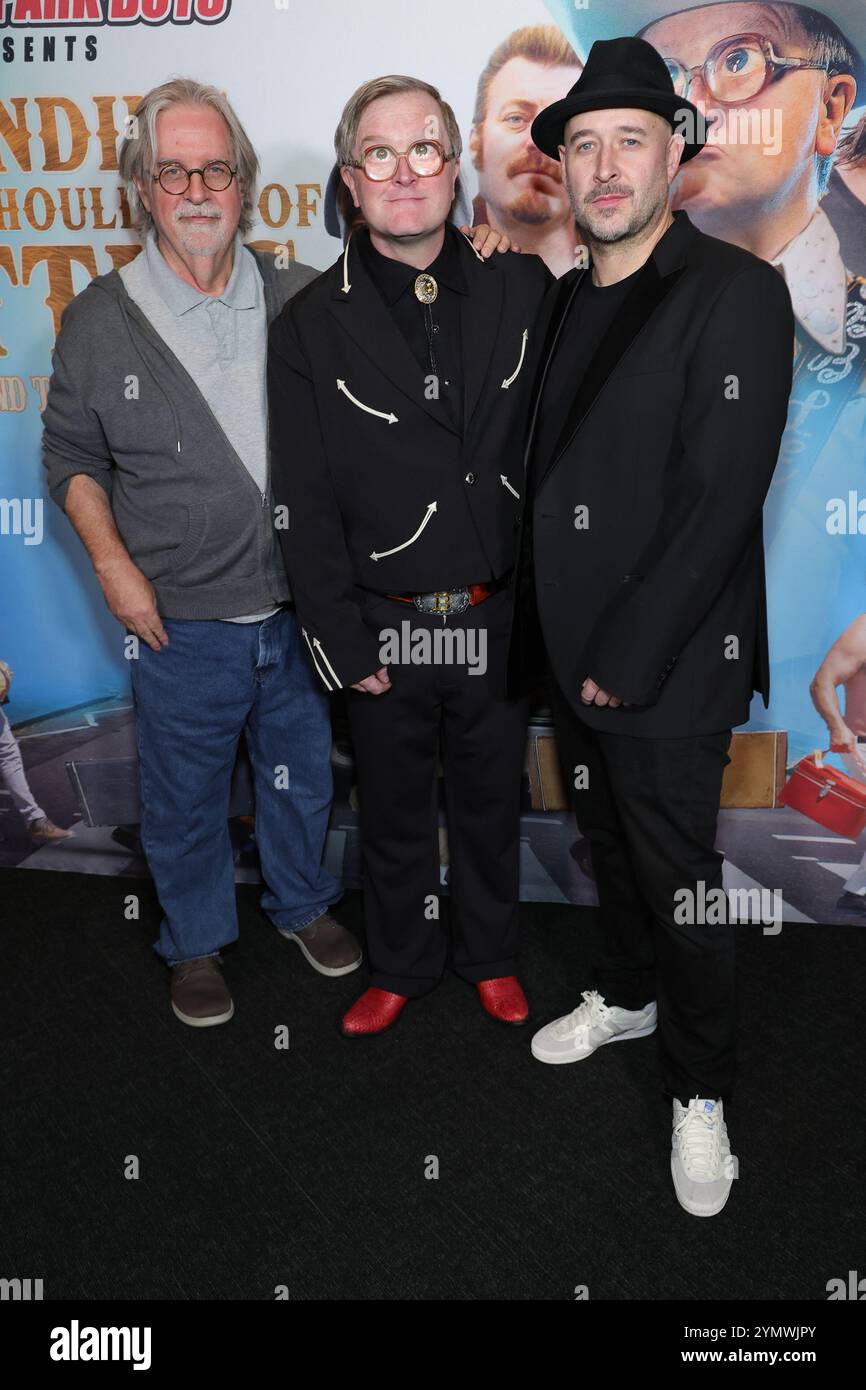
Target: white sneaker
(592,1024)
(702,1165)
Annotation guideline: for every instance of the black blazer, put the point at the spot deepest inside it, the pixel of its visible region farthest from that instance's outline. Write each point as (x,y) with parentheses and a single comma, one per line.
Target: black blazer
(670,443)
(383,492)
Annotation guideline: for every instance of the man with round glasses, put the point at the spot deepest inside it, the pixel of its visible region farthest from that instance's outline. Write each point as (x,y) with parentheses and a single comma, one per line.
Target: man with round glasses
(398,387)
(156,446)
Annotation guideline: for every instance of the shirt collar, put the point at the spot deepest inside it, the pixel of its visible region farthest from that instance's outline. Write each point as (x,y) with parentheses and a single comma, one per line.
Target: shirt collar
(817,281)
(394,278)
(241,291)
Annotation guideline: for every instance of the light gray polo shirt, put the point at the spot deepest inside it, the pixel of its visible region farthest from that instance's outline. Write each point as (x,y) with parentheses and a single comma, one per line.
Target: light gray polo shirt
(222,342)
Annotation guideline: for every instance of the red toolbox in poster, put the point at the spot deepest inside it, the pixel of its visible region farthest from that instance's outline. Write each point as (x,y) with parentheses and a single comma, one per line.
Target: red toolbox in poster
(834,799)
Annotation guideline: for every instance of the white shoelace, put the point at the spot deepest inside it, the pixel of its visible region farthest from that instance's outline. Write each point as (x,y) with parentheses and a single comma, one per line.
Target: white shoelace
(593,1010)
(700,1136)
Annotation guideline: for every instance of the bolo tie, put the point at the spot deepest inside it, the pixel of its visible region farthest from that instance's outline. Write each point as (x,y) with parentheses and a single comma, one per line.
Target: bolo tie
(426,291)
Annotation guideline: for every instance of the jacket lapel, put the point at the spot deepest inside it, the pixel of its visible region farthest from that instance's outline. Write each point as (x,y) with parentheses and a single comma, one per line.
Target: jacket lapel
(564,291)
(358,307)
(480,317)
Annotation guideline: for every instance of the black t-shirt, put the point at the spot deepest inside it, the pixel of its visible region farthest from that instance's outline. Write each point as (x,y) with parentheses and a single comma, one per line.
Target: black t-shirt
(590,314)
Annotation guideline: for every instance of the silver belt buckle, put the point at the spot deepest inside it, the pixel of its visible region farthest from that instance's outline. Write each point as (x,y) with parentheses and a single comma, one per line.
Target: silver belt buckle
(442,601)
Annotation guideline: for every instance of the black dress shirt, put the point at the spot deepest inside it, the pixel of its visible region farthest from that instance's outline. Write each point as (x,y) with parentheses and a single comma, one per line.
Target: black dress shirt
(439,323)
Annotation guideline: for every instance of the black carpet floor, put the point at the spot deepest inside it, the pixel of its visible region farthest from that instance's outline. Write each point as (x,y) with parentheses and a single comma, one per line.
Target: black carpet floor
(306,1168)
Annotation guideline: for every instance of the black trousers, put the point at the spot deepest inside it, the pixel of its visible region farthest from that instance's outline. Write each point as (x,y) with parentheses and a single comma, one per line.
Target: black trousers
(438,709)
(650,813)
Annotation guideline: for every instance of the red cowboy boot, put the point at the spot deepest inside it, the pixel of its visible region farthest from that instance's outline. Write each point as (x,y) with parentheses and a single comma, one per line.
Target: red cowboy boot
(376,1010)
(504,1000)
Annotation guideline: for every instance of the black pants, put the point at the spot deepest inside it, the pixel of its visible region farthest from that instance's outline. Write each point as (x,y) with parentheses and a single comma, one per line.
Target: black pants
(439,709)
(650,813)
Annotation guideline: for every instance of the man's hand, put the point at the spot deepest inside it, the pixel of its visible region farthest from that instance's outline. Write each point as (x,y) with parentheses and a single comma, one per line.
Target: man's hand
(132,599)
(129,594)
(592,694)
(486,241)
(374,685)
(844,740)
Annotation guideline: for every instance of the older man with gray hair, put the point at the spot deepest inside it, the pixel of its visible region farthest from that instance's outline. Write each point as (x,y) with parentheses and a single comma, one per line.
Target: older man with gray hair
(156,447)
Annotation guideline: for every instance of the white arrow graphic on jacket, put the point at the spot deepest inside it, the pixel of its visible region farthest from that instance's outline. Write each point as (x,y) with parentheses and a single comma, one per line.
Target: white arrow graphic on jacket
(346,286)
(508,380)
(382,414)
(315,662)
(317,644)
(380,555)
(506,483)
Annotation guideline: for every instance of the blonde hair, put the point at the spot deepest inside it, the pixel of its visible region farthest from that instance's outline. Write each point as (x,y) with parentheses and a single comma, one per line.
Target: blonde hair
(347,130)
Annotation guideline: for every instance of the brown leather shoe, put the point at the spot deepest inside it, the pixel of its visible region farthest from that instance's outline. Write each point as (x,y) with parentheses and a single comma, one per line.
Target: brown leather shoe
(199,995)
(42,831)
(328,947)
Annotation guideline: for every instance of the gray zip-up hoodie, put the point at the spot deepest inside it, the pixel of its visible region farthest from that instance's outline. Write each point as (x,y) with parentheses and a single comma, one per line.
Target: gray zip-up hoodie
(123,409)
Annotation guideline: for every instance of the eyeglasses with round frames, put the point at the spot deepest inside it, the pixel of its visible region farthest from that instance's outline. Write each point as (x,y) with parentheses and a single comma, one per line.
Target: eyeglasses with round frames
(380,162)
(216,176)
(737,68)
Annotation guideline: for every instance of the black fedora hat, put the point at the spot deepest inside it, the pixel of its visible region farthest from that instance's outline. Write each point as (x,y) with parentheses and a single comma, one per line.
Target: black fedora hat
(621,72)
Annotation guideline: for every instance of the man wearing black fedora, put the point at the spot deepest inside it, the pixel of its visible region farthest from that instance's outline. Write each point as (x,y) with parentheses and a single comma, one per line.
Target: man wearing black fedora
(660,404)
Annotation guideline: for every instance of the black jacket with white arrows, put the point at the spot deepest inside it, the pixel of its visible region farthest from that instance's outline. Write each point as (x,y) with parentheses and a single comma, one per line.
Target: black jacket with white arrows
(383,493)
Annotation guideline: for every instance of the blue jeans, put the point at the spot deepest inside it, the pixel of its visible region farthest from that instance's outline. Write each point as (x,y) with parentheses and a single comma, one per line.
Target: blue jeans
(193,700)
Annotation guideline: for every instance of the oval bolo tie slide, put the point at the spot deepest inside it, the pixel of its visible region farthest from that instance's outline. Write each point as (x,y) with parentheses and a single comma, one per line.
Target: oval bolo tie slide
(426,288)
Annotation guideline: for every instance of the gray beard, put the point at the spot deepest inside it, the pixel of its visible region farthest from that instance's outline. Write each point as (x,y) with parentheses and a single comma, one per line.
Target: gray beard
(214,241)
(641,217)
